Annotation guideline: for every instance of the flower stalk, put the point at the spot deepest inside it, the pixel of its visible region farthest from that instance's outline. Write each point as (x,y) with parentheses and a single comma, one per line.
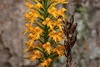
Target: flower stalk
(47,31)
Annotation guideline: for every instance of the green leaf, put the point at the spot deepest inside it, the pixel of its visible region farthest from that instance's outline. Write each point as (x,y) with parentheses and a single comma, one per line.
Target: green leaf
(52,56)
(39,24)
(31,50)
(37,48)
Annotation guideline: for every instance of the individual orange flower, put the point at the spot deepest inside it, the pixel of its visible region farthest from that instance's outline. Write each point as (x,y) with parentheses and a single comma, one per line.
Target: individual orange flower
(29,47)
(48,23)
(53,11)
(29,6)
(58,24)
(59,49)
(55,36)
(61,13)
(38,5)
(47,47)
(34,55)
(45,62)
(27,16)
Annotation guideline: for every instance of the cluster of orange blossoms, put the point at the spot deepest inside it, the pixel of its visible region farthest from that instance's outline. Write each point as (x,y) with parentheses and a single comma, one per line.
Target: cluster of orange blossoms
(47,31)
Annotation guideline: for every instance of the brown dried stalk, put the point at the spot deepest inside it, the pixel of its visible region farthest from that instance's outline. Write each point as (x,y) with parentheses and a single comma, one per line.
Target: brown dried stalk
(71,35)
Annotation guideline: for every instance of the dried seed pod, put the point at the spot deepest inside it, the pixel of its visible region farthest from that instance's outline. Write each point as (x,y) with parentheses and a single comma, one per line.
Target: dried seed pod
(71,35)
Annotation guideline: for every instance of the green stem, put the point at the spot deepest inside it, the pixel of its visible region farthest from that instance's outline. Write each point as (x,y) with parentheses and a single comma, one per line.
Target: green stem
(45,16)
(45,7)
(40,11)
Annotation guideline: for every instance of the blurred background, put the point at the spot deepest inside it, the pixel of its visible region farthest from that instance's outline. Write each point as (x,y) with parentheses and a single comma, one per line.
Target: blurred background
(85,53)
